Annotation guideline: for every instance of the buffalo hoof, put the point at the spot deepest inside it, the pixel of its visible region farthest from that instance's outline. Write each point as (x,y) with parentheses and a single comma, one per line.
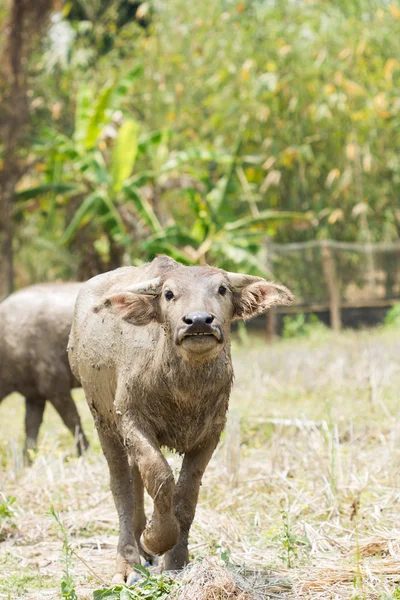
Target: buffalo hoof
(160,535)
(128,577)
(118,579)
(151,560)
(133,577)
(82,444)
(127,557)
(146,557)
(177,558)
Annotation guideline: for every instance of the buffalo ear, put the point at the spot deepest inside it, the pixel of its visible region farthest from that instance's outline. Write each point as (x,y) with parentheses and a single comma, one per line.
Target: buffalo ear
(257,296)
(137,309)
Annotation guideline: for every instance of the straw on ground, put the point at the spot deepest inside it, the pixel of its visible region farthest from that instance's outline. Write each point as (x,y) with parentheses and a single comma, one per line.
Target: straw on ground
(307,501)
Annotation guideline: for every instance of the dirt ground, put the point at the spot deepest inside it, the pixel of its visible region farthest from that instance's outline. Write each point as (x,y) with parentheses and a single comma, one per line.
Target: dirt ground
(304,486)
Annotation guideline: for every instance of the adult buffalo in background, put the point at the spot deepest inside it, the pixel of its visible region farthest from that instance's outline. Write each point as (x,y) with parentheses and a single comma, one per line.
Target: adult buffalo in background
(151,348)
(34,327)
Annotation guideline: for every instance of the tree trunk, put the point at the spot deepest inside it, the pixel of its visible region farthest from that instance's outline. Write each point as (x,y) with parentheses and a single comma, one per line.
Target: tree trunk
(26,17)
(13,111)
(6,237)
(329,269)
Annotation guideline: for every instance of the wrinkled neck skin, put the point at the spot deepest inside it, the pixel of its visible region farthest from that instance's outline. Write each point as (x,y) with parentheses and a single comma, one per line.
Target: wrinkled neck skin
(184,401)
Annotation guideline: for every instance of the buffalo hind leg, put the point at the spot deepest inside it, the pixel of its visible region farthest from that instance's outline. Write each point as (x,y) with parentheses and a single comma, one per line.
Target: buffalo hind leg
(66,408)
(34,409)
(185,501)
(122,489)
(162,531)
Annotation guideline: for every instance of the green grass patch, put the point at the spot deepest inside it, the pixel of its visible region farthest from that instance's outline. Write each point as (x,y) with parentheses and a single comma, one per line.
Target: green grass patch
(149,587)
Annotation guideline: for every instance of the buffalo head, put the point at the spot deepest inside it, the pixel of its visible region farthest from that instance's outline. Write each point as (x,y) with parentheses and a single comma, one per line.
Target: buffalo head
(195,305)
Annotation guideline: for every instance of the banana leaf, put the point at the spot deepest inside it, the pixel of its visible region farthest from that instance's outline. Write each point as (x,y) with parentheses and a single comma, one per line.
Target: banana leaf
(228,254)
(147,139)
(161,247)
(98,118)
(88,206)
(125,83)
(143,207)
(124,154)
(265,217)
(175,236)
(82,112)
(195,154)
(217,197)
(45,188)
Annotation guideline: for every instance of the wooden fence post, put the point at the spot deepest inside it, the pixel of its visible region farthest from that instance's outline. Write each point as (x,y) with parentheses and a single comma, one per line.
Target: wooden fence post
(271,324)
(329,268)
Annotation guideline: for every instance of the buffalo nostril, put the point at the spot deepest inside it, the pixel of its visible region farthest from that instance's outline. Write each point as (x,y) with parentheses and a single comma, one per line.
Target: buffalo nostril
(198,318)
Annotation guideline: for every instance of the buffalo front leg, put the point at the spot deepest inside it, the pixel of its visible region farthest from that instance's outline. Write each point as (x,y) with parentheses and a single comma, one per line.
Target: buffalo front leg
(34,409)
(66,408)
(185,501)
(162,530)
(139,515)
(122,489)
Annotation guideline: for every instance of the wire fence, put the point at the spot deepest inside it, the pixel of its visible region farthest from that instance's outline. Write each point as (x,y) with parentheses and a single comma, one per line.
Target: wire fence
(330,275)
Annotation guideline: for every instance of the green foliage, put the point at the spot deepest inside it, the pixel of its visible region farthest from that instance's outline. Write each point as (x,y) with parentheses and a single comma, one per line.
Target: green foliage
(104,183)
(20,580)
(67,583)
(6,510)
(150,587)
(124,153)
(301,326)
(289,541)
(392,317)
(216,137)
(393,596)
(327,109)
(7,516)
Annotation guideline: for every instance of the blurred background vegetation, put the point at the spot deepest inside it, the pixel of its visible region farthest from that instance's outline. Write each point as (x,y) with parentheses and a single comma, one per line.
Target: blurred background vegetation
(195,129)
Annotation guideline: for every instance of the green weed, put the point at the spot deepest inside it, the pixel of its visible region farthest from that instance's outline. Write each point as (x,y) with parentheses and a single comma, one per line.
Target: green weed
(18,580)
(290,542)
(150,587)
(7,516)
(24,582)
(67,583)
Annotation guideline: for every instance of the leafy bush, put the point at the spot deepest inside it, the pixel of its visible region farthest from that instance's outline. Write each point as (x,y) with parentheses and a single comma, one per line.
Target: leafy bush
(392,318)
(301,326)
(203,147)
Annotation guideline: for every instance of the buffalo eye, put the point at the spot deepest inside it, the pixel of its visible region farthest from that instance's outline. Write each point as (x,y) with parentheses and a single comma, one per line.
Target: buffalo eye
(169,295)
(222,290)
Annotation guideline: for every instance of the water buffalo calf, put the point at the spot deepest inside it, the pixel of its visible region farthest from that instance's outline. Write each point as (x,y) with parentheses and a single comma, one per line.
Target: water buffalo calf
(34,329)
(151,348)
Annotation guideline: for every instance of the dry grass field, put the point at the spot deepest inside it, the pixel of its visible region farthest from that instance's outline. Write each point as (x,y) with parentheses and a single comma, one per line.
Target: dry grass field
(301,499)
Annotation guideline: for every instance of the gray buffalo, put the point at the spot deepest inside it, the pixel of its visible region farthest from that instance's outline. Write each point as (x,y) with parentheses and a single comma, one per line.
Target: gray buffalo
(34,327)
(151,348)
